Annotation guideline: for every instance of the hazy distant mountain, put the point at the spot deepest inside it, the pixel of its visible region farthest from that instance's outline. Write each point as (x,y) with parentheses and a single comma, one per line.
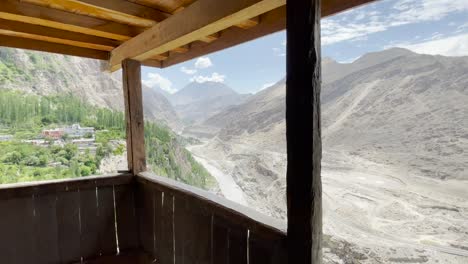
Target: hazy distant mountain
(394,105)
(197,101)
(45,74)
(263,112)
(158,108)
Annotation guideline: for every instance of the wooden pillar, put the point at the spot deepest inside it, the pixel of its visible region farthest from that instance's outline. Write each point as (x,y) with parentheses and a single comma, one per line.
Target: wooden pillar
(304,147)
(136,157)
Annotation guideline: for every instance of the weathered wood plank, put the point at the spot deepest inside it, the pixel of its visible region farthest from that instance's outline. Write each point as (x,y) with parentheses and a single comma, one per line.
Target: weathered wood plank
(169,6)
(38,15)
(145,211)
(64,41)
(303,79)
(192,233)
(238,245)
(127,225)
(46,229)
(16,230)
(87,9)
(229,211)
(165,236)
(106,221)
(8,191)
(134,115)
(220,241)
(68,221)
(89,235)
(157,224)
(206,17)
(130,8)
(266,250)
(55,33)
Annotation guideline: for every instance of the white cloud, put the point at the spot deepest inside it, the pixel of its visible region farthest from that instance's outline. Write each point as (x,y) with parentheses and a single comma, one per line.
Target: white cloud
(215,77)
(188,70)
(203,63)
(156,80)
(450,46)
(363,21)
(279,52)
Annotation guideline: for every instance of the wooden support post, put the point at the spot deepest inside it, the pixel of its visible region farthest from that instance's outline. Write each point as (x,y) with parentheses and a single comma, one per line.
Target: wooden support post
(136,157)
(304,147)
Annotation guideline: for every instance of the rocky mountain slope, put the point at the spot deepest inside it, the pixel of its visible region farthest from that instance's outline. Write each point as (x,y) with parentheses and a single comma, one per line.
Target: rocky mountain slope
(47,74)
(395,141)
(197,101)
(395,105)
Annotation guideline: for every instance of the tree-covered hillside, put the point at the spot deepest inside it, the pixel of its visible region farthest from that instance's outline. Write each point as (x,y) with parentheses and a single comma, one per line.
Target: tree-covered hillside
(25,116)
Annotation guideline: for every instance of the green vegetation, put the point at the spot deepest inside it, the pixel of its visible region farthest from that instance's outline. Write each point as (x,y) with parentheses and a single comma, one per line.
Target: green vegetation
(19,111)
(167,157)
(25,116)
(25,162)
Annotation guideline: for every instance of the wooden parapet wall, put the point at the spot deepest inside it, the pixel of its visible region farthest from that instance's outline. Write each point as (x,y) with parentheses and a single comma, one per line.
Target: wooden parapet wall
(67,221)
(182,224)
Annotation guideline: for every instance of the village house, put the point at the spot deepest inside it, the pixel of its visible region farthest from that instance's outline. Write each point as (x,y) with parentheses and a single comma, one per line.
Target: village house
(74,131)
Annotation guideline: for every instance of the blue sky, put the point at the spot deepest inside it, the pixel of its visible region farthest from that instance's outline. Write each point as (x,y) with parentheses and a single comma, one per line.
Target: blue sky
(424,26)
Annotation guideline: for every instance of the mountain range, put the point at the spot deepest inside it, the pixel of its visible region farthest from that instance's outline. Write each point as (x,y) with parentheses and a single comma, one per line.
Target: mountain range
(395,105)
(198,101)
(47,74)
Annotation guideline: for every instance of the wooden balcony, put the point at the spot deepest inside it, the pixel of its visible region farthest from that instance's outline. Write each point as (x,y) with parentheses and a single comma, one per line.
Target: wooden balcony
(126,219)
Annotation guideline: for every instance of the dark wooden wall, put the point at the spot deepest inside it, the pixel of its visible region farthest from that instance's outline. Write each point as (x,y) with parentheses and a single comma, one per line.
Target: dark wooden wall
(67,221)
(304,149)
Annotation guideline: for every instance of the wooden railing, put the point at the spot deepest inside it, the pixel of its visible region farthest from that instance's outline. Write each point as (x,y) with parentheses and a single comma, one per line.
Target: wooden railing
(67,221)
(182,224)
(126,219)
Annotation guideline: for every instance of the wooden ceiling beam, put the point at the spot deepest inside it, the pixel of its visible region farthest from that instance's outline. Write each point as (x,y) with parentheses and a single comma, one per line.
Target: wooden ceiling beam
(55,40)
(169,6)
(181,49)
(56,33)
(42,16)
(249,23)
(272,21)
(211,38)
(161,57)
(130,8)
(86,9)
(206,17)
(31,44)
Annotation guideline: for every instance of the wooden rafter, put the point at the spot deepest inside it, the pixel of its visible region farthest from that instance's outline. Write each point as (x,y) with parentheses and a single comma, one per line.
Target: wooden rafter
(57,33)
(82,8)
(42,16)
(211,38)
(249,23)
(169,6)
(32,44)
(272,21)
(55,40)
(181,49)
(206,16)
(130,8)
